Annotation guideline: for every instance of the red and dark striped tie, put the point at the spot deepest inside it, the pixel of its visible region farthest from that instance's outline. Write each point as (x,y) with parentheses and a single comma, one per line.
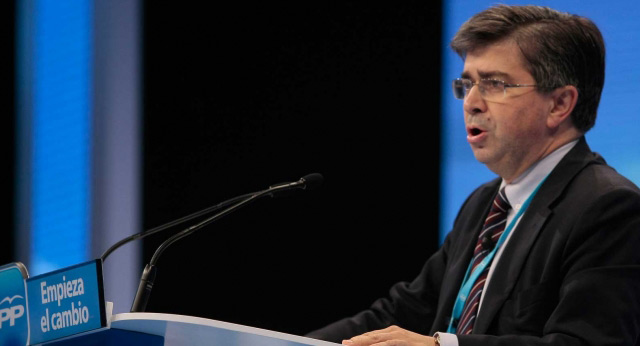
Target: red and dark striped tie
(491,231)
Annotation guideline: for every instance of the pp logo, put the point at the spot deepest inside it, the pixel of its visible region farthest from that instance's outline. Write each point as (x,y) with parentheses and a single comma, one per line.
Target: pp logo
(12,312)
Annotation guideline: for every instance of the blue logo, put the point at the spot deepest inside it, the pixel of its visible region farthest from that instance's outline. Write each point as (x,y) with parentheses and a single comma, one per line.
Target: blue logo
(14,323)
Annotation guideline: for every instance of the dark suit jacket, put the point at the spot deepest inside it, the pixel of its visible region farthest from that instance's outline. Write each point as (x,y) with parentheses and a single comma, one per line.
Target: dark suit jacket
(569,275)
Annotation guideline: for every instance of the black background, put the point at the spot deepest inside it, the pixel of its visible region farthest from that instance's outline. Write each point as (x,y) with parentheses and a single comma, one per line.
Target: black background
(240,96)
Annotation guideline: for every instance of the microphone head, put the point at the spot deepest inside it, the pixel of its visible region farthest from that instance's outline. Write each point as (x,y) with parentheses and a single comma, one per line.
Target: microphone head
(308,182)
(312,181)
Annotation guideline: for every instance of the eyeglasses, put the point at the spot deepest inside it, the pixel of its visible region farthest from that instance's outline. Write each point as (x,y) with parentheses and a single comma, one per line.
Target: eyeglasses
(490,89)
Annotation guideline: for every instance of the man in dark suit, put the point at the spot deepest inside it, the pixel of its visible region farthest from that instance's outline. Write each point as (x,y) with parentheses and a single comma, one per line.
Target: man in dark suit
(549,253)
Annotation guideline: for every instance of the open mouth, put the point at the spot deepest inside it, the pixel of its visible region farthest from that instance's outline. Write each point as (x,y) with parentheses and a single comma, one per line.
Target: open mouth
(475,134)
(475,131)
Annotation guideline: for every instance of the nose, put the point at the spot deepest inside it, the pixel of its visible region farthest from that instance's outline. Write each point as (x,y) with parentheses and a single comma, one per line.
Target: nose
(473,102)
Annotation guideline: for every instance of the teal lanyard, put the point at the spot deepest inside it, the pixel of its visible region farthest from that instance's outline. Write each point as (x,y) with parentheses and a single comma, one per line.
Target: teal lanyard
(470,280)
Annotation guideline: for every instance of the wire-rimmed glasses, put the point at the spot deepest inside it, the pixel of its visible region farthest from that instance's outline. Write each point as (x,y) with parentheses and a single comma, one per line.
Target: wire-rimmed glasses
(490,89)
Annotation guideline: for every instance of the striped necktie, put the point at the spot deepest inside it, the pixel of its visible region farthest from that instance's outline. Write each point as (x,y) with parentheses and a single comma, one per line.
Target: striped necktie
(491,231)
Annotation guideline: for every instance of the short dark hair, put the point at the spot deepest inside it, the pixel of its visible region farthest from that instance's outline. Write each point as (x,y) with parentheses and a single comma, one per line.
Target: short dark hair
(559,49)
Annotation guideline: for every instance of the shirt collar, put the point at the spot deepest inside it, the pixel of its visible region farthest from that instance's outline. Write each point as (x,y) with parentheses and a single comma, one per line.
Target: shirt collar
(520,189)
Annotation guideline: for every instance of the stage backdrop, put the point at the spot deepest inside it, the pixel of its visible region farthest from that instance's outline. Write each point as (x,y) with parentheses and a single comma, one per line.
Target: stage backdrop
(239,96)
(8,130)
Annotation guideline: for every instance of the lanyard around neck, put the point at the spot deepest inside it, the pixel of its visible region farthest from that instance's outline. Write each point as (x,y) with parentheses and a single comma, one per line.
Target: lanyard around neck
(469,280)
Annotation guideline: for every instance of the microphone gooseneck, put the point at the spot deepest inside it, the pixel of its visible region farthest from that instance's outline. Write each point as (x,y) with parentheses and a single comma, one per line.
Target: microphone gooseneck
(170,224)
(308,182)
(311,181)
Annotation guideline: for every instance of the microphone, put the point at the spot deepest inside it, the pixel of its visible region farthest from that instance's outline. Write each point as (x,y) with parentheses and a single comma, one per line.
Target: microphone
(308,182)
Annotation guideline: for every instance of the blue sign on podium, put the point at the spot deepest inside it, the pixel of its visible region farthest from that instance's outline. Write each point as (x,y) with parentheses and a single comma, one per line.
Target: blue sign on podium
(14,325)
(66,302)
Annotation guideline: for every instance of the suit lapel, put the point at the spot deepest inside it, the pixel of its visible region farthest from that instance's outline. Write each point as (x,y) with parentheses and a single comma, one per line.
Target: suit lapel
(525,234)
(506,273)
(462,250)
(459,265)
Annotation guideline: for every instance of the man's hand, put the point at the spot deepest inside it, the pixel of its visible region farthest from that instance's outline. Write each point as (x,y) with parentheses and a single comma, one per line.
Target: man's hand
(392,336)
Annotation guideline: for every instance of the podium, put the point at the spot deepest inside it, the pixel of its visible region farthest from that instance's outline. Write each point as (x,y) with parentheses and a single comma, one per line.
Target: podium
(187,330)
(67,307)
(157,329)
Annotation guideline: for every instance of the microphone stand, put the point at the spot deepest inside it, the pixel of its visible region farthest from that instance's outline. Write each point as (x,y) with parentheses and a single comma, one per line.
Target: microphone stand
(149,274)
(171,224)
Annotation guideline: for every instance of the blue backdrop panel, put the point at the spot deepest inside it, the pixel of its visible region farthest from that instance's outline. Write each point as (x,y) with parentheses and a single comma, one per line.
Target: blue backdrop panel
(61,88)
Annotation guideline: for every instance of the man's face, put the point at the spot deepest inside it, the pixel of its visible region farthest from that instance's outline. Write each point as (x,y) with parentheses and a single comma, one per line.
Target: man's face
(510,134)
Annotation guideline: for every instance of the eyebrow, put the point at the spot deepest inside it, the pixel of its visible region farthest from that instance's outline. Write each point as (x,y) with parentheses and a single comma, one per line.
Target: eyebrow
(488,75)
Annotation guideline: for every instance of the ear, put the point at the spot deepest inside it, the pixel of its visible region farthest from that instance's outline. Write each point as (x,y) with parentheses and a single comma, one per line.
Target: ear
(564,100)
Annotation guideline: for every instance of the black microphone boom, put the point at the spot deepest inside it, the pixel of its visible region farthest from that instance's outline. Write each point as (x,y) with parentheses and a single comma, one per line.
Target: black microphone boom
(311,182)
(308,182)
(170,224)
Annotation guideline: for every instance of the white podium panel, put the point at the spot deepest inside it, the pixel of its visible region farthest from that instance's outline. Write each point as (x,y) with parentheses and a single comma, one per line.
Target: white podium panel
(180,330)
